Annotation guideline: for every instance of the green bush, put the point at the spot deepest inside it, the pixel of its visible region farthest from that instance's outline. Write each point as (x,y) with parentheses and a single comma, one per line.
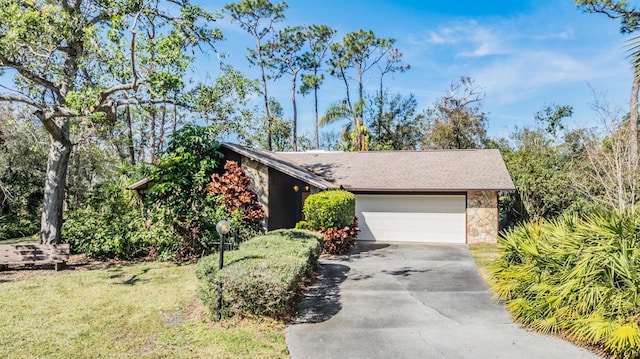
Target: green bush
(264,276)
(304,225)
(12,226)
(330,209)
(577,276)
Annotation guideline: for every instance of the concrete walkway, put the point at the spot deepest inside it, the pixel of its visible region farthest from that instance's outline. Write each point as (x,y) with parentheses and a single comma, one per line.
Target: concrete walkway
(410,301)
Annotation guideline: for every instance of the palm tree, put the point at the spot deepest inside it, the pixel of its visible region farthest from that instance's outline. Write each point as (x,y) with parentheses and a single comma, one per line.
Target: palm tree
(354,134)
(634,55)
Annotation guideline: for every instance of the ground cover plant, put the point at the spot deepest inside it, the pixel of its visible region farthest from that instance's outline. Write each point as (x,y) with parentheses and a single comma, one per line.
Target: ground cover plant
(264,276)
(146,310)
(576,276)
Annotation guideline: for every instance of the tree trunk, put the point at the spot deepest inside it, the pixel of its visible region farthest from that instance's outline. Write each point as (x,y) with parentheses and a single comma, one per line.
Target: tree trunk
(132,150)
(295,114)
(263,78)
(152,139)
(315,109)
(54,190)
(633,120)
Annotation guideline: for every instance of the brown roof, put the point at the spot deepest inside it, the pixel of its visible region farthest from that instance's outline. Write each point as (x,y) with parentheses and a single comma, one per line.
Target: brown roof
(272,160)
(412,171)
(391,171)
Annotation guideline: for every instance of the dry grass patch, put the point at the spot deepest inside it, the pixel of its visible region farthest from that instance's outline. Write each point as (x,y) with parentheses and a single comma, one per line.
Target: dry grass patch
(146,310)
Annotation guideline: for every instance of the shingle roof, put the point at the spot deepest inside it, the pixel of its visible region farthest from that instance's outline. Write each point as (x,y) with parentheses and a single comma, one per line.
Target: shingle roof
(446,170)
(270,159)
(396,171)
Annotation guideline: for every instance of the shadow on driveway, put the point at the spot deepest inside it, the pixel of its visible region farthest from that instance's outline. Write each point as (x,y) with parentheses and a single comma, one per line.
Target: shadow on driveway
(322,299)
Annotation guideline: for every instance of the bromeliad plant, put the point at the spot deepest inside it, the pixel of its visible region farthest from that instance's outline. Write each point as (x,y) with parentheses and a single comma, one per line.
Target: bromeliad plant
(578,276)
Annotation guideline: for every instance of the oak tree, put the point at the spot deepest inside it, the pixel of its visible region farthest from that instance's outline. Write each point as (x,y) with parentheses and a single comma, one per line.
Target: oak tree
(59,54)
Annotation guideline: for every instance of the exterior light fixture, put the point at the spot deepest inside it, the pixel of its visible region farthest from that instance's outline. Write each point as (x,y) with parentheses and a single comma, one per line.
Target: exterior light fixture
(306,188)
(296,188)
(223,229)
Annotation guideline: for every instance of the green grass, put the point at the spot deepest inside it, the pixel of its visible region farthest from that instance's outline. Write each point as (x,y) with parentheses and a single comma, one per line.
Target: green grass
(484,255)
(146,310)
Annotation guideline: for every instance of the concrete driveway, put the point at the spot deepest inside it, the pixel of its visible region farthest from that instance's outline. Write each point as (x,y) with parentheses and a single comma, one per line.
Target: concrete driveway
(410,301)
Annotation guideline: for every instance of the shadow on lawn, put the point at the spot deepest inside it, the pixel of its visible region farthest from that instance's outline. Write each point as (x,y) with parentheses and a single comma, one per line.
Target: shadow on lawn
(322,299)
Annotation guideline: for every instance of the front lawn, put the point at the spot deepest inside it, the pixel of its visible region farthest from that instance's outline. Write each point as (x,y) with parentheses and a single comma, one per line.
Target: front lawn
(484,255)
(146,310)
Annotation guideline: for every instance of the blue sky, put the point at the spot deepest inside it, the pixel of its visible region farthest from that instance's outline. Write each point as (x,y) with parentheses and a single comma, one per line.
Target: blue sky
(523,54)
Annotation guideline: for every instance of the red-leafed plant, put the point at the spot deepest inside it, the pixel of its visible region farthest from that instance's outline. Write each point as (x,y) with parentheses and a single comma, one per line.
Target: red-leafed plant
(233,184)
(339,240)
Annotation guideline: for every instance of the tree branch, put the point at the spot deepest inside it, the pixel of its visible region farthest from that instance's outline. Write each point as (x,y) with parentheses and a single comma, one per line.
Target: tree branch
(21,99)
(22,70)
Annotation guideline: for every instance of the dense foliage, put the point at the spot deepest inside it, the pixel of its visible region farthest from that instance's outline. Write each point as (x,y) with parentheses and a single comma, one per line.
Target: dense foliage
(175,220)
(111,223)
(330,209)
(339,240)
(179,187)
(576,276)
(264,276)
(542,173)
(332,213)
(239,199)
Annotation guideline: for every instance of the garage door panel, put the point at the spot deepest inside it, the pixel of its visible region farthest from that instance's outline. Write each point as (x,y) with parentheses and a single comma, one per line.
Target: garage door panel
(411,218)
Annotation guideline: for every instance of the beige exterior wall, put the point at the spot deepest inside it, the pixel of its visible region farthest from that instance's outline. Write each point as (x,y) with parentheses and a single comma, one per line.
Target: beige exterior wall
(259,175)
(482,217)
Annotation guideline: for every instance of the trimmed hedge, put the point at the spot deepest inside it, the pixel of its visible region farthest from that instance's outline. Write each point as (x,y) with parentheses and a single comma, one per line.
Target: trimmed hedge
(330,209)
(264,276)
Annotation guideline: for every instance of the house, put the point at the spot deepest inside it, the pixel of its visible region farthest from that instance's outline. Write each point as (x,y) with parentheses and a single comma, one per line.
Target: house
(447,196)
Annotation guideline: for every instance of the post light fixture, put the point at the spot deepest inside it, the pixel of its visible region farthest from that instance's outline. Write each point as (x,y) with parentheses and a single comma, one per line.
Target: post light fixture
(222,227)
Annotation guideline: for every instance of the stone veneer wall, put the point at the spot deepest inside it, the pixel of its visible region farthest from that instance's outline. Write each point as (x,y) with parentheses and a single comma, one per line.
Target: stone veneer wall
(259,174)
(482,217)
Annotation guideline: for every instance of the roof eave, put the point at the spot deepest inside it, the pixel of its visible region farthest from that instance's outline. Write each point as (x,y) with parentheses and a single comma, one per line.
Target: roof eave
(282,166)
(423,190)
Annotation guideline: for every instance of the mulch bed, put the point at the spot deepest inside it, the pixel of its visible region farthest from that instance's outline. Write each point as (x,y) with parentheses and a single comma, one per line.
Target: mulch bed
(77,262)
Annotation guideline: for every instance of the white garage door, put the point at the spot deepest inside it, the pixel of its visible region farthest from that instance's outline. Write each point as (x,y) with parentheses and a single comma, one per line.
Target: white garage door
(411,218)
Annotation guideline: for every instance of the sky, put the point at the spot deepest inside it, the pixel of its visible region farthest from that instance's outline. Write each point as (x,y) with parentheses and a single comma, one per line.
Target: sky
(523,54)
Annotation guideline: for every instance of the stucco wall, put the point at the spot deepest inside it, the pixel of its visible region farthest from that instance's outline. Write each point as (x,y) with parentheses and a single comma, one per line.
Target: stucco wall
(259,175)
(482,217)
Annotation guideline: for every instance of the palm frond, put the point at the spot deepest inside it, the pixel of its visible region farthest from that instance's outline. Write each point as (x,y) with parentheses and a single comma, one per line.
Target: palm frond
(633,47)
(335,112)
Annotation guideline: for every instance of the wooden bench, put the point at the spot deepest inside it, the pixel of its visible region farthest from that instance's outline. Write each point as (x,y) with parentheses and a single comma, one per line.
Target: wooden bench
(57,254)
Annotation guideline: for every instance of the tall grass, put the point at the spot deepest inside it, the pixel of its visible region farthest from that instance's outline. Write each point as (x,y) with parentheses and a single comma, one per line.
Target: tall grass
(578,276)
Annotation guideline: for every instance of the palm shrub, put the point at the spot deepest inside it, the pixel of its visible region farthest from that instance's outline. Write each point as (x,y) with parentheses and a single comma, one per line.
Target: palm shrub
(576,275)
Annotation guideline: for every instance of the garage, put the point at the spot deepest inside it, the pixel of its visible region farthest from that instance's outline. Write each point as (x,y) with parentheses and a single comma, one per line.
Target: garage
(412,218)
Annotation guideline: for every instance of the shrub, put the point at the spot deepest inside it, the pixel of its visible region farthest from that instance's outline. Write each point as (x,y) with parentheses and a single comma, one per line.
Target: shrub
(239,199)
(178,197)
(340,240)
(113,222)
(575,275)
(12,226)
(330,209)
(262,277)
(304,225)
